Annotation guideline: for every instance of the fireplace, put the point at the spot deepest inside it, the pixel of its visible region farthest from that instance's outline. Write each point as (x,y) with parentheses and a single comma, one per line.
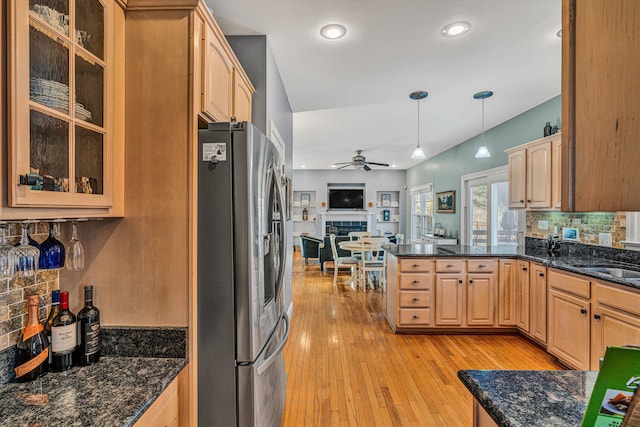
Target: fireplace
(343,228)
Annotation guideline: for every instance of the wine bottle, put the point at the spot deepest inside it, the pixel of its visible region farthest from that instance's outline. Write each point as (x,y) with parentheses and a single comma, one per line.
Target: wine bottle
(63,336)
(55,309)
(33,349)
(88,330)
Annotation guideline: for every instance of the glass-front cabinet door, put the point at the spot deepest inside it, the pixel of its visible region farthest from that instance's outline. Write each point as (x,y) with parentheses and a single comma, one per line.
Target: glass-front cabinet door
(59,138)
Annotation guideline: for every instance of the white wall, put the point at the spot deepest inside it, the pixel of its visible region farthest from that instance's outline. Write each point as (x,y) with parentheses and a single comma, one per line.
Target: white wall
(374,180)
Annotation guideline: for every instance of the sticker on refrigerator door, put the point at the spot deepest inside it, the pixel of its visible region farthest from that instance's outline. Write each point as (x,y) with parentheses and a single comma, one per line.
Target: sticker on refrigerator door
(214,152)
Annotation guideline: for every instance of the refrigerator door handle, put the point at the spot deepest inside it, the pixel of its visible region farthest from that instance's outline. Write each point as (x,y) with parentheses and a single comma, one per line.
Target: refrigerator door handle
(265,365)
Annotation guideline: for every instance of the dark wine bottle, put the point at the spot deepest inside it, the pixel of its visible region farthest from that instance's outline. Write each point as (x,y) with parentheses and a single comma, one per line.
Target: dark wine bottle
(63,336)
(33,348)
(55,309)
(88,330)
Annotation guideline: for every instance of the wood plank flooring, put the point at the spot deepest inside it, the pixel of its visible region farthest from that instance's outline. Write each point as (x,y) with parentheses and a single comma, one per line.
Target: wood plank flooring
(346,367)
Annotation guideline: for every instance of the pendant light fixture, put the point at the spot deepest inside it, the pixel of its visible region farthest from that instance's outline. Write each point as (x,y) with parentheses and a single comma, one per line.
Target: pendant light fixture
(483,151)
(418,153)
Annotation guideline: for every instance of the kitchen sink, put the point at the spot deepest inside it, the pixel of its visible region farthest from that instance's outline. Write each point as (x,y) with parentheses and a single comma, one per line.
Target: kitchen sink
(621,273)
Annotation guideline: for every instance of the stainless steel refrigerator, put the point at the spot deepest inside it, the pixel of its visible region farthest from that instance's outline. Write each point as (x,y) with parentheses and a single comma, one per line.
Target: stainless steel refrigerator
(242,324)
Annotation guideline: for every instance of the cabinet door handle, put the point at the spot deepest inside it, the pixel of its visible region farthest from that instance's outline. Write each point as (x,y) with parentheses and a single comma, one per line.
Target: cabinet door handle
(541,274)
(415,299)
(524,268)
(528,201)
(459,280)
(597,316)
(583,311)
(470,281)
(521,201)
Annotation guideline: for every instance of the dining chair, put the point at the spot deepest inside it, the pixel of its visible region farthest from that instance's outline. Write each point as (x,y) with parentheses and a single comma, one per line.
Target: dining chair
(357,235)
(338,262)
(373,260)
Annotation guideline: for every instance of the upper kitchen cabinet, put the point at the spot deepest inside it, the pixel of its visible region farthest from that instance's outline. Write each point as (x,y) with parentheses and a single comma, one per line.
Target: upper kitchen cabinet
(61,95)
(226,90)
(534,175)
(600,109)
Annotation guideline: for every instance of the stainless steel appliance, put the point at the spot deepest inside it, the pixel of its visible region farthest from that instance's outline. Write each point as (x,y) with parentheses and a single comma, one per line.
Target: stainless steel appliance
(242,324)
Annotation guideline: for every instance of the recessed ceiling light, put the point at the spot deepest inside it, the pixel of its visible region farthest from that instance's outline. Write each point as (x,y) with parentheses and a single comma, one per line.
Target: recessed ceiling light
(334,166)
(394,165)
(303,166)
(333,31)
(456,29)
(559,33)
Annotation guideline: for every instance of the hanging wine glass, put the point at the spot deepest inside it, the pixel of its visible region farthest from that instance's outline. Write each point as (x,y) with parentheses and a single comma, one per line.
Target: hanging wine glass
(24,257)
(52,252)
(6,266)
(75,251)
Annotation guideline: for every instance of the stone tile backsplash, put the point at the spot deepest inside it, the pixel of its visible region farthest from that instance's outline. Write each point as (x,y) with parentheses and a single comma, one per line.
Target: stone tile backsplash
(14,291)
(590,225)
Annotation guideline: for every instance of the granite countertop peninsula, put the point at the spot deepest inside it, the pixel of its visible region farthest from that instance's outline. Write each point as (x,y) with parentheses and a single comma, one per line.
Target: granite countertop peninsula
(113,392)
(532,398)
(572,258)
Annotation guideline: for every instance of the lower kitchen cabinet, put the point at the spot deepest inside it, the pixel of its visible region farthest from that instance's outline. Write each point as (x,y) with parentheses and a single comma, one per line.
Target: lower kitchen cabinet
(522,296)
(538,302)
(481,294)
(507,280)
(449,299)
(615,320)
(569,325)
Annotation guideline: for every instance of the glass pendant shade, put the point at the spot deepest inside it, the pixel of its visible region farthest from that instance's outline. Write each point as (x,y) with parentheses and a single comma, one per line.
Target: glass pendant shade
(418,152)
(483,151)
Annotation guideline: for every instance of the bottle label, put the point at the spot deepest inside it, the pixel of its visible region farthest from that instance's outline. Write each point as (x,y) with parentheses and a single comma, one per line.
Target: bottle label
(92,339)
(63,338)
(31,330)
(32,364)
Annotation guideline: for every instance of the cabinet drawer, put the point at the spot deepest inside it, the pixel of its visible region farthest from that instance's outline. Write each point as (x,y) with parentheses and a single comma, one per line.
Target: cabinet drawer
(628,301)
(482,265)
(411,265)
(415,281)
(449,265)
(415,316)
(415,299)
(568,283)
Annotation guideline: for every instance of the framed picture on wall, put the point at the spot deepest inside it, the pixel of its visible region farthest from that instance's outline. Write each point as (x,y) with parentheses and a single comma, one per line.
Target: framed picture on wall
(305,199)
(385,198)
(446,201)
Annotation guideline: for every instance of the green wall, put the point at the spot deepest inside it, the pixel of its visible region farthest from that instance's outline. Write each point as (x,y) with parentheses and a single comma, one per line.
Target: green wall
(445,169)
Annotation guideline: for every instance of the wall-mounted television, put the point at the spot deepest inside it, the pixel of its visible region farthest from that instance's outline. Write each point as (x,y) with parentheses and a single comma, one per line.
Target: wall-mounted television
(346,199)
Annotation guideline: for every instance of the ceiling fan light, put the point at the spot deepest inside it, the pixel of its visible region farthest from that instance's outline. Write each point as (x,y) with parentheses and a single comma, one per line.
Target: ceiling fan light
(483,152)
(418,154)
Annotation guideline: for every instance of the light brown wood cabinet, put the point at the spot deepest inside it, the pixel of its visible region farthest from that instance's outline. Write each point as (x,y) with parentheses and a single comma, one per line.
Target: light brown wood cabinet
(226,90)
(164,410)
(408,297)
(538,302)
(65,119)
(600,61)
(615,320)
(481,292)
(569,318)
(533,174)
(522,296)
(449,303)
(507,282)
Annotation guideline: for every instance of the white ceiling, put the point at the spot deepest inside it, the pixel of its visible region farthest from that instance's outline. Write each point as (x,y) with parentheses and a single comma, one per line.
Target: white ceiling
(353,93)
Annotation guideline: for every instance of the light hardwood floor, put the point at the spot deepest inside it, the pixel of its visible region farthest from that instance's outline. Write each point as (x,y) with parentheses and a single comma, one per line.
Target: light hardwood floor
(346,367)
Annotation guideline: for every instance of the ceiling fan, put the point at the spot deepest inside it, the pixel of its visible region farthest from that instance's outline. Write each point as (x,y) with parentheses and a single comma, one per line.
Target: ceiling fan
(359,161)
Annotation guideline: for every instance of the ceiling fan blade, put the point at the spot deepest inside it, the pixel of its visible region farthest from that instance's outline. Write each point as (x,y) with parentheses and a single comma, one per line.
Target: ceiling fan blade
(342,163)
(365,167)
(345,166)
(378,164)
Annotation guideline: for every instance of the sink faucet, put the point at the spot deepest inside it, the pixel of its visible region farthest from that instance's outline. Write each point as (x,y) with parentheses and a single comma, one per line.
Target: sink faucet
(553,244)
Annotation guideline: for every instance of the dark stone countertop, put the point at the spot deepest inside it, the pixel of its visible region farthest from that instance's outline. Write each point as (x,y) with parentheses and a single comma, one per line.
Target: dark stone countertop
(572,262)
(532,398)
(113,392)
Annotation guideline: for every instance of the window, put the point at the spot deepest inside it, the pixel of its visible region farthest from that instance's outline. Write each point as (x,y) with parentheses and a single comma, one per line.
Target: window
(421,211)
(633,231)
(487,219)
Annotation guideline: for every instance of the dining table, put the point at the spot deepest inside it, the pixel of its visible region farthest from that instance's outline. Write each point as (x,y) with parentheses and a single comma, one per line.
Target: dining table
(364,249)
